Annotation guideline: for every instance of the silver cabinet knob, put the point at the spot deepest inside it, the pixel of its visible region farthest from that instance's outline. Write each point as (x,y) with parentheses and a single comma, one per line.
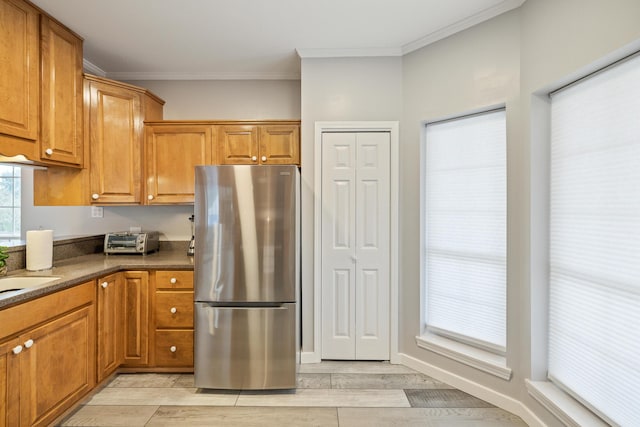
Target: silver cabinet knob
(17,349)
(28,343)
(264,158)
(173,310)
(173,349)
(48,151)
(95,196)
(104,285)
(173,280)
(254,158)
(150,197)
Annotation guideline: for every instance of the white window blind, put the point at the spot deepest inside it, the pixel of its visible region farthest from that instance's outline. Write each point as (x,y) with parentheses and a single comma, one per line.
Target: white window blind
(594,306)
(465,229)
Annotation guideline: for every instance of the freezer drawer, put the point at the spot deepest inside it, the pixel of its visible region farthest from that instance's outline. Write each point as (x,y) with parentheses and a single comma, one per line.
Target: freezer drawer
(245,348)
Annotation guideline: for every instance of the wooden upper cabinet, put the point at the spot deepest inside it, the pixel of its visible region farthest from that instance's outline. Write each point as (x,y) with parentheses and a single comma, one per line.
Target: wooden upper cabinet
(261,144)
(238,145)
(19,79)
(116,131)
(61,136)
(280,145)
(172,151)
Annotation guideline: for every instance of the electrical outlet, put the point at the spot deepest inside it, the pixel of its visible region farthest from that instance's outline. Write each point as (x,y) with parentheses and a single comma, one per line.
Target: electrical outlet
(96,212)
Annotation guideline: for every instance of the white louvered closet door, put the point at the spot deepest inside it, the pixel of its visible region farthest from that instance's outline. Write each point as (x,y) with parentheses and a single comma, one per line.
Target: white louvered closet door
(355,245)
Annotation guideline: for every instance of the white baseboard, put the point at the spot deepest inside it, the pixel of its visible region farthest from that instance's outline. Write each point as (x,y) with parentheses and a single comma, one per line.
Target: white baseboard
(478,390)
(310,357)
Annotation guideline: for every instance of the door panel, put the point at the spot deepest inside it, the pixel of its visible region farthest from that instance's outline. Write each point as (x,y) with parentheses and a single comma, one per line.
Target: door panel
(355,239)
(338,248)
(372,251)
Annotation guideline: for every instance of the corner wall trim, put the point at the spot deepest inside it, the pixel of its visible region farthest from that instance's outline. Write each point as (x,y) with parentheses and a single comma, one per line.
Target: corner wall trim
(478,390)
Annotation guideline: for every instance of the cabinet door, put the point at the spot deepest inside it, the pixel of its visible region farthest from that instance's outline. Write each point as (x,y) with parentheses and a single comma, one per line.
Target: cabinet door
(280,145)
(110,325)
(172,153)
(57,366)
(238,145)
(61,135)
(136,318)
(9,384)
(19,77)
(115,135)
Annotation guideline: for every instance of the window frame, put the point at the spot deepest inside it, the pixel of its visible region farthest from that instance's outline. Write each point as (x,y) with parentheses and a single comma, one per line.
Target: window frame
(464,351)
(16,205)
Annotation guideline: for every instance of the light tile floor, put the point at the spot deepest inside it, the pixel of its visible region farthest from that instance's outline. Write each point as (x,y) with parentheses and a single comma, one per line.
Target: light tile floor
(344,394)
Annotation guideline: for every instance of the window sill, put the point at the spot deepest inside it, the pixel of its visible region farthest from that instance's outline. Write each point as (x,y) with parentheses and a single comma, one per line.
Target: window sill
(476,358)
(561,405)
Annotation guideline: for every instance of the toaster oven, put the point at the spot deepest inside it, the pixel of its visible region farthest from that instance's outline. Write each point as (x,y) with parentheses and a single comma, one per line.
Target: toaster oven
(131,243)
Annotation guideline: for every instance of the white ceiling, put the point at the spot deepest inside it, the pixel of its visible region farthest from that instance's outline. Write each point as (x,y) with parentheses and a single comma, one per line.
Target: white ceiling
(254,39)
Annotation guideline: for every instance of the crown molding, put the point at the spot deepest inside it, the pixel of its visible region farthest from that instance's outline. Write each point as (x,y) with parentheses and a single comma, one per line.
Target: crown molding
(456,27)
(144,75)
(91,68)
(348,53)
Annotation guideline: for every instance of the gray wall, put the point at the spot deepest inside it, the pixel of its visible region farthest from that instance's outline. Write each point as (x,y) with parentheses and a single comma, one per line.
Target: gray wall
(465,72)
(343,89)
(513,59)
(185,100)
(227,99)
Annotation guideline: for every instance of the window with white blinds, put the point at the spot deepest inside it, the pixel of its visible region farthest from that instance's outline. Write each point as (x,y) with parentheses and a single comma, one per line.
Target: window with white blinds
(594,306)
(465,229)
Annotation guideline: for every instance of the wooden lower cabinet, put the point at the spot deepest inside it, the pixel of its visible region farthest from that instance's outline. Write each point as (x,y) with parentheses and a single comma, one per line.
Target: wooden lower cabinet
(136,318)
(110,325)
(173,319)
(46,368)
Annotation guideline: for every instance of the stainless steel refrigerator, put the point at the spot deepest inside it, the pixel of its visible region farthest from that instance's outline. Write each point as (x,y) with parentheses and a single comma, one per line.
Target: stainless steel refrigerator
(246,276)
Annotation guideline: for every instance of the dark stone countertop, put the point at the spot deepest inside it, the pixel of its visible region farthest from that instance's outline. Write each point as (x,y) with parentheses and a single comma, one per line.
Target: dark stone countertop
(74,271)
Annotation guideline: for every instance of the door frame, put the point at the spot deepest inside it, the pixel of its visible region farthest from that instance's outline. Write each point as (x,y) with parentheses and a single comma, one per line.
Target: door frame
(394,230)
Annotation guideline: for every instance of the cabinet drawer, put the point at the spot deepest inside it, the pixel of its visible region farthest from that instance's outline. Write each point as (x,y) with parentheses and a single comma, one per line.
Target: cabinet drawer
(174,310)
(174,279)
(174,348)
